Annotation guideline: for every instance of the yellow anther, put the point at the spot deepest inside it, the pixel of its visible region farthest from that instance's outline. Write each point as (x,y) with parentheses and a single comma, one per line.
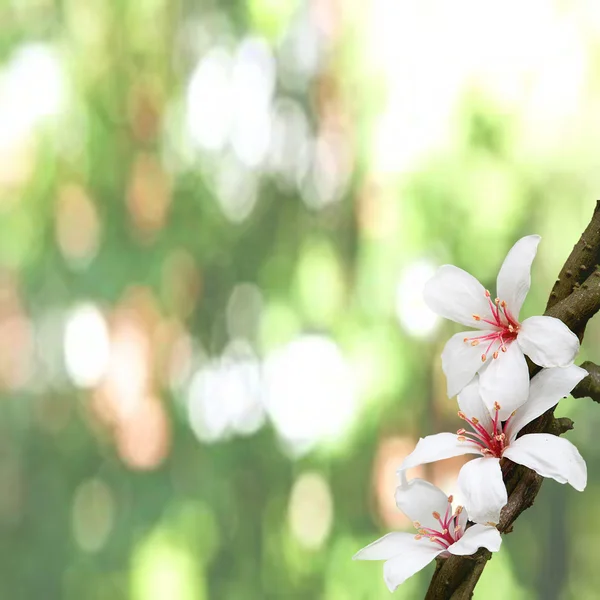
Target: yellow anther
(461,431)
(477,317)
(444,531)
(503,348)
(474,420)
(417,524)
(465,340)
(450,498)
(497,406)
(497,301)
(503,304)
(495,355)
(487,294)
(418,537)
(475,343)
(462,415)
(483,357)
(458,510)
(432,538)
(511,328)
(435,514)
(461,438)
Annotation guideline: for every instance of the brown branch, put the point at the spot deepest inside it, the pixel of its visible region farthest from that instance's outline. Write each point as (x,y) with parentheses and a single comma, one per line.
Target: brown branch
(582,260)
(575,298)
(590,385)
(580,306)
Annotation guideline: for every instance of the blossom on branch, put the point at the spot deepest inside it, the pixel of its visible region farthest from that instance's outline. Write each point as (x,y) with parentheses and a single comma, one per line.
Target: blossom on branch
(498,352)
(480,480)
(440,532)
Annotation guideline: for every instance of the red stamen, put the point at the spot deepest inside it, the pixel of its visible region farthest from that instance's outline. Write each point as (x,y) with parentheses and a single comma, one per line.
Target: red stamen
(443,537)
(492,441)
(505,325)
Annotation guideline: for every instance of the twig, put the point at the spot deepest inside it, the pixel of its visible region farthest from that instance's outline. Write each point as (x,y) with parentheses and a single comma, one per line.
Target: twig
(582,260)
(590,386)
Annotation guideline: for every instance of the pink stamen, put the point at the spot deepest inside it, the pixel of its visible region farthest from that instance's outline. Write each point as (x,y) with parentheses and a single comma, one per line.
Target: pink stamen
(442,537)
(494,310)
(448,512)
(494,323)
(491,443)
(505,332)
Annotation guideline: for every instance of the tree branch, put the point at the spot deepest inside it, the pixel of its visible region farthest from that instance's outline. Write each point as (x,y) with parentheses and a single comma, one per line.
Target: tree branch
(582,260)
(574,299)
(590,385)
(580,306)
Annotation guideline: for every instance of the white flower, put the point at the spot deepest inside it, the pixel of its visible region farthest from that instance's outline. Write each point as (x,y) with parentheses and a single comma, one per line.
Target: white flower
(456,295)
(480,480)
(440,532)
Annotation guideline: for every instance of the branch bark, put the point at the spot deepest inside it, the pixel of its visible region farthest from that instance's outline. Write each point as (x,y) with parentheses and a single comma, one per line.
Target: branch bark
(574,299)
(590,386)
(580,263)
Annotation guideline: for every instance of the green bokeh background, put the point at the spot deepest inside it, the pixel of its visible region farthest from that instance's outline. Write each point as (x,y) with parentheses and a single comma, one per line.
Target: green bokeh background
(416,151)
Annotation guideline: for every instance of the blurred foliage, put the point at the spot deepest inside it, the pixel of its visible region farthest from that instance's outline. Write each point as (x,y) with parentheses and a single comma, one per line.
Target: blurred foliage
(216,219)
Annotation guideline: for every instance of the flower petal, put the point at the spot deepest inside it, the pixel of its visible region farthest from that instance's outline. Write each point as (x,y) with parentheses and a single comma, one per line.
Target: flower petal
(514,277)
(454,294)
(480,482)
(398,569)
(404,555)
(550,456)
(545,390)
(437,447)
(460,362)
(470,403)
(505,381)
(548,341)
(387,547)
(477,536)
(463,517)
(418,499)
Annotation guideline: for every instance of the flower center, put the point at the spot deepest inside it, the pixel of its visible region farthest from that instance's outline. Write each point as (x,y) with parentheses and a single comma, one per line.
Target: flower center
(506,328)
(449,532)
(491,443)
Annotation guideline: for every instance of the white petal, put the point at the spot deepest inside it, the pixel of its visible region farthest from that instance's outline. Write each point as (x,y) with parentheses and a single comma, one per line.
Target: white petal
(514,277)
(437,447)
(477,536)
(387,547)
(548,341)
(471,403)
(550,456)
(404,555)
(545,390)
(484,493)
(505,381)
(460,361)
(398,569)
(418,499)
(456,295)
(463,517)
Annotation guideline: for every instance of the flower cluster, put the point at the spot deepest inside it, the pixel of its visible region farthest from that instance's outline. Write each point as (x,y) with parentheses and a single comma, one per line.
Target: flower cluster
(496,400)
